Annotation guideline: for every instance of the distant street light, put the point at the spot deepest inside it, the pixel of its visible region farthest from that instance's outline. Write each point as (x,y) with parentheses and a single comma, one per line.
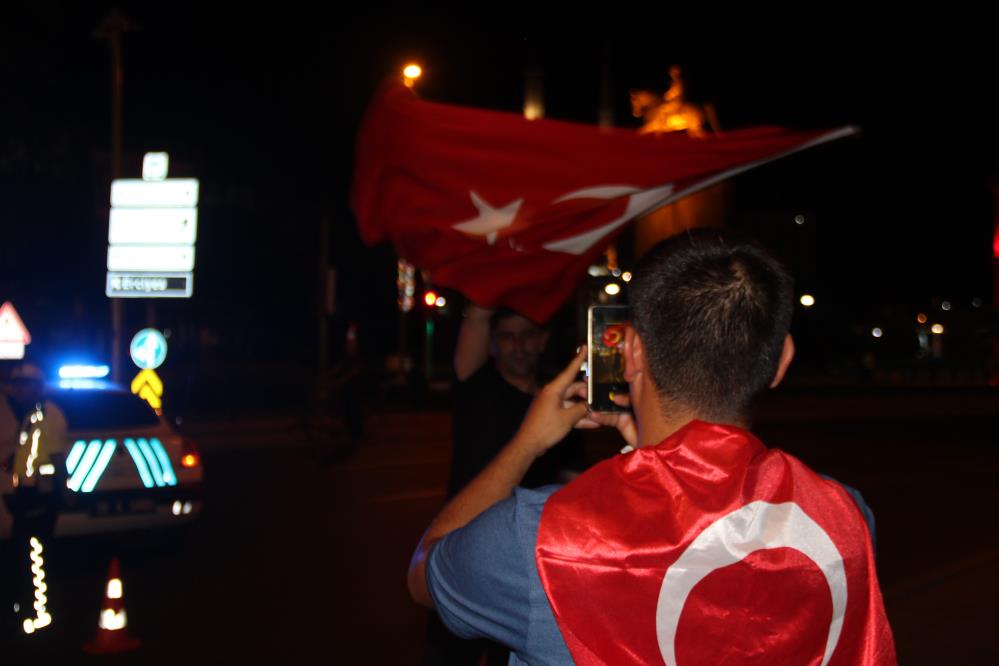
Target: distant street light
(807,300)
(410,73)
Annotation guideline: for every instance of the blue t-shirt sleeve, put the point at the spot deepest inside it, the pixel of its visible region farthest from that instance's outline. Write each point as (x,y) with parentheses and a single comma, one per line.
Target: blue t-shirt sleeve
(481,577)
(477,580)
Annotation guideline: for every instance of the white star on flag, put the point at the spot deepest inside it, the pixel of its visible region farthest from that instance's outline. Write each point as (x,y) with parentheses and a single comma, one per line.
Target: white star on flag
(490,219)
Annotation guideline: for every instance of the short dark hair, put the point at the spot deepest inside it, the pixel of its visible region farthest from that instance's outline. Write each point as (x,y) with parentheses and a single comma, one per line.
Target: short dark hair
(712,307)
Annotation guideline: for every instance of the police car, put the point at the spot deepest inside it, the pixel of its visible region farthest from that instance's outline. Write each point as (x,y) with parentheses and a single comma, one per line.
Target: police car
(126,468)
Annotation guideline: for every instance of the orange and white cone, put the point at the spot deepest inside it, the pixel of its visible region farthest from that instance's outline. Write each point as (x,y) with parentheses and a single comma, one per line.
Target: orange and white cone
(112,636)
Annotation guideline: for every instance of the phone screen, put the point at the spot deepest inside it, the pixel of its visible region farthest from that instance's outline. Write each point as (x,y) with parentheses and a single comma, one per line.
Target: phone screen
(605,365)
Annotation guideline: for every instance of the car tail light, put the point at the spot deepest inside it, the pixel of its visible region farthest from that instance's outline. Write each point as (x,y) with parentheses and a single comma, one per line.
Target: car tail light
(189,456)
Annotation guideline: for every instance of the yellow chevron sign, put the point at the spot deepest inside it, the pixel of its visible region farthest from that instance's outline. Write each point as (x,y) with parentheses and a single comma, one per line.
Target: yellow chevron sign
(148,386)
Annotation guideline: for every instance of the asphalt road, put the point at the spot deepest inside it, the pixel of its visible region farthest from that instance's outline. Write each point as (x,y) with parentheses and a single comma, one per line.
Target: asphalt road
(300,557)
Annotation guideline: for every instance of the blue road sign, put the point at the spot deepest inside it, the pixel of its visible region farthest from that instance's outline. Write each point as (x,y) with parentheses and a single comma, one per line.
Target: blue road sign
(148,349)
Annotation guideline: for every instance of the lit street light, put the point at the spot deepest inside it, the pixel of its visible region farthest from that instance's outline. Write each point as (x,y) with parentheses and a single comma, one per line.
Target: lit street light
(410,73)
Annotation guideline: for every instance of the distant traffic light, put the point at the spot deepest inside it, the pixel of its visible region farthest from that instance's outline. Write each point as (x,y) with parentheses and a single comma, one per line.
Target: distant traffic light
(432,298)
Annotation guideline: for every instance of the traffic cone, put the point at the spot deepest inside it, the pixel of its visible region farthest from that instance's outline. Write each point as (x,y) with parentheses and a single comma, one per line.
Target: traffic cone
(112,637)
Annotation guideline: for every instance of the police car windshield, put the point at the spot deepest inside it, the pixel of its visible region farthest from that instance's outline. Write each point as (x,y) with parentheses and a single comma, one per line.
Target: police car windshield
(97,410)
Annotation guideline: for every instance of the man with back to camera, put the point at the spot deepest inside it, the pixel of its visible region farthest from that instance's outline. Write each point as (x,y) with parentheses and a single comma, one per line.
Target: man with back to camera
(700,546)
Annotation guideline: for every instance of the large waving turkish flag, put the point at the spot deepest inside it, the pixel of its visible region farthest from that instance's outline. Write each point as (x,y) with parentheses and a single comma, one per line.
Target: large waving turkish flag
(711,549)
(511,211)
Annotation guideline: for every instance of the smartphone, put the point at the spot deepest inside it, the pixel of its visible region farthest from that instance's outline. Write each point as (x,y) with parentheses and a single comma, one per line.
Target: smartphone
(605,326)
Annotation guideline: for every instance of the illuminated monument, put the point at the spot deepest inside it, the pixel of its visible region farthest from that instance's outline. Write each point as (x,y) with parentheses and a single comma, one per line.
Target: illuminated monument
(672,112)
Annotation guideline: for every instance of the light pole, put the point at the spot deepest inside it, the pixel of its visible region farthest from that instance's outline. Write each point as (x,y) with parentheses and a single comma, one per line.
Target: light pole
(406,272)
(111,28)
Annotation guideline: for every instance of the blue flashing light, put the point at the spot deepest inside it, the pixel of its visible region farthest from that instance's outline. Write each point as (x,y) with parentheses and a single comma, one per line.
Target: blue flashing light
(99,466)
(85,384)
(140,463)
(169,478)
(84,371)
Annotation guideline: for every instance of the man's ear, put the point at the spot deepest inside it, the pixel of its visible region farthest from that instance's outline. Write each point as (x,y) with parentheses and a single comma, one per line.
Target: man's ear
(786,354)
(634,354)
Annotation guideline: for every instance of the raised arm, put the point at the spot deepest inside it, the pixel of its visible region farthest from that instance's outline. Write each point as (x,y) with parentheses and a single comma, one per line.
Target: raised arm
(472,350)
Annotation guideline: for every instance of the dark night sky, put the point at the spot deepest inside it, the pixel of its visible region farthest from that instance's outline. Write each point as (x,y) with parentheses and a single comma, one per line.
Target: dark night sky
(261,101)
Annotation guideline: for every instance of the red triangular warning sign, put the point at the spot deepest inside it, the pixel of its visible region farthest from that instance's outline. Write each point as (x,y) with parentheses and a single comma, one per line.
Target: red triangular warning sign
(12,329)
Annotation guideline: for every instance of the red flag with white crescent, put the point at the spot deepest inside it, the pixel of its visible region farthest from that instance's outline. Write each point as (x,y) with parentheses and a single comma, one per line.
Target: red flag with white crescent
(711,549)
(511,211)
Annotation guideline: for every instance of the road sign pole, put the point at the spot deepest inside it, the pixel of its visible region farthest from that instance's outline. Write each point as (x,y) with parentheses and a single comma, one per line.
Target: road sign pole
(117,324)
(111,28)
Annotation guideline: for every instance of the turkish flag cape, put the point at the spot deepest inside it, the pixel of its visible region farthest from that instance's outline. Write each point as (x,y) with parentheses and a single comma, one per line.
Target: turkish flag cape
(511,211)
(711,549)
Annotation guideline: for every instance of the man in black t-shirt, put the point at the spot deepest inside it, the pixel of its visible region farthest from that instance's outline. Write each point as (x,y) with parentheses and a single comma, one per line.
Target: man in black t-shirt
(496,364)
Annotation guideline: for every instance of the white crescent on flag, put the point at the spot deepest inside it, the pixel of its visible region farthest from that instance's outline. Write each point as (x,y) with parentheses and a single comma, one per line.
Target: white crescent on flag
(638,203)
(756,526)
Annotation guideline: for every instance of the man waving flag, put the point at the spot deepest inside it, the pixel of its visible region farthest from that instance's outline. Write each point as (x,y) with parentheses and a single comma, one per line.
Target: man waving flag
(511,211)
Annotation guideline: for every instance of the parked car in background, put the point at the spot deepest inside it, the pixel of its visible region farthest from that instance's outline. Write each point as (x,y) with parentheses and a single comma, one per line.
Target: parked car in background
(126,468)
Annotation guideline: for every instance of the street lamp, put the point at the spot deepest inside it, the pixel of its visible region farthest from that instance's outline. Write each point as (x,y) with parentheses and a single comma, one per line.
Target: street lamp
(410,73)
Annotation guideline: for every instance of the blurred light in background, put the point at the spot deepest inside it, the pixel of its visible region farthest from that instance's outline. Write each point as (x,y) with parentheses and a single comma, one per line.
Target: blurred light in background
(410,73)
(807,300)
(876,332)
(626,276)
(921,318)
(84,371)
(799,219)
(613,289)
(945,306)
(937,328)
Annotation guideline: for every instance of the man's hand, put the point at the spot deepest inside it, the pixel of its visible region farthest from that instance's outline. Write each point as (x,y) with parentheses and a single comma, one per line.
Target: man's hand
(552,413)
(623,421)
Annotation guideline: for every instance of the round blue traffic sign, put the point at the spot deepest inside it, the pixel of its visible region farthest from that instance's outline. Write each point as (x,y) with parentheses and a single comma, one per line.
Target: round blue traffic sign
(148,349)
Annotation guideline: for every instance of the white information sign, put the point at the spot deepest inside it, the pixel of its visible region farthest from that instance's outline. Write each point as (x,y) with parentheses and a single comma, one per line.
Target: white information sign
(152,226)
(176,258)
(133,193)
(149,285)
(152,230)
